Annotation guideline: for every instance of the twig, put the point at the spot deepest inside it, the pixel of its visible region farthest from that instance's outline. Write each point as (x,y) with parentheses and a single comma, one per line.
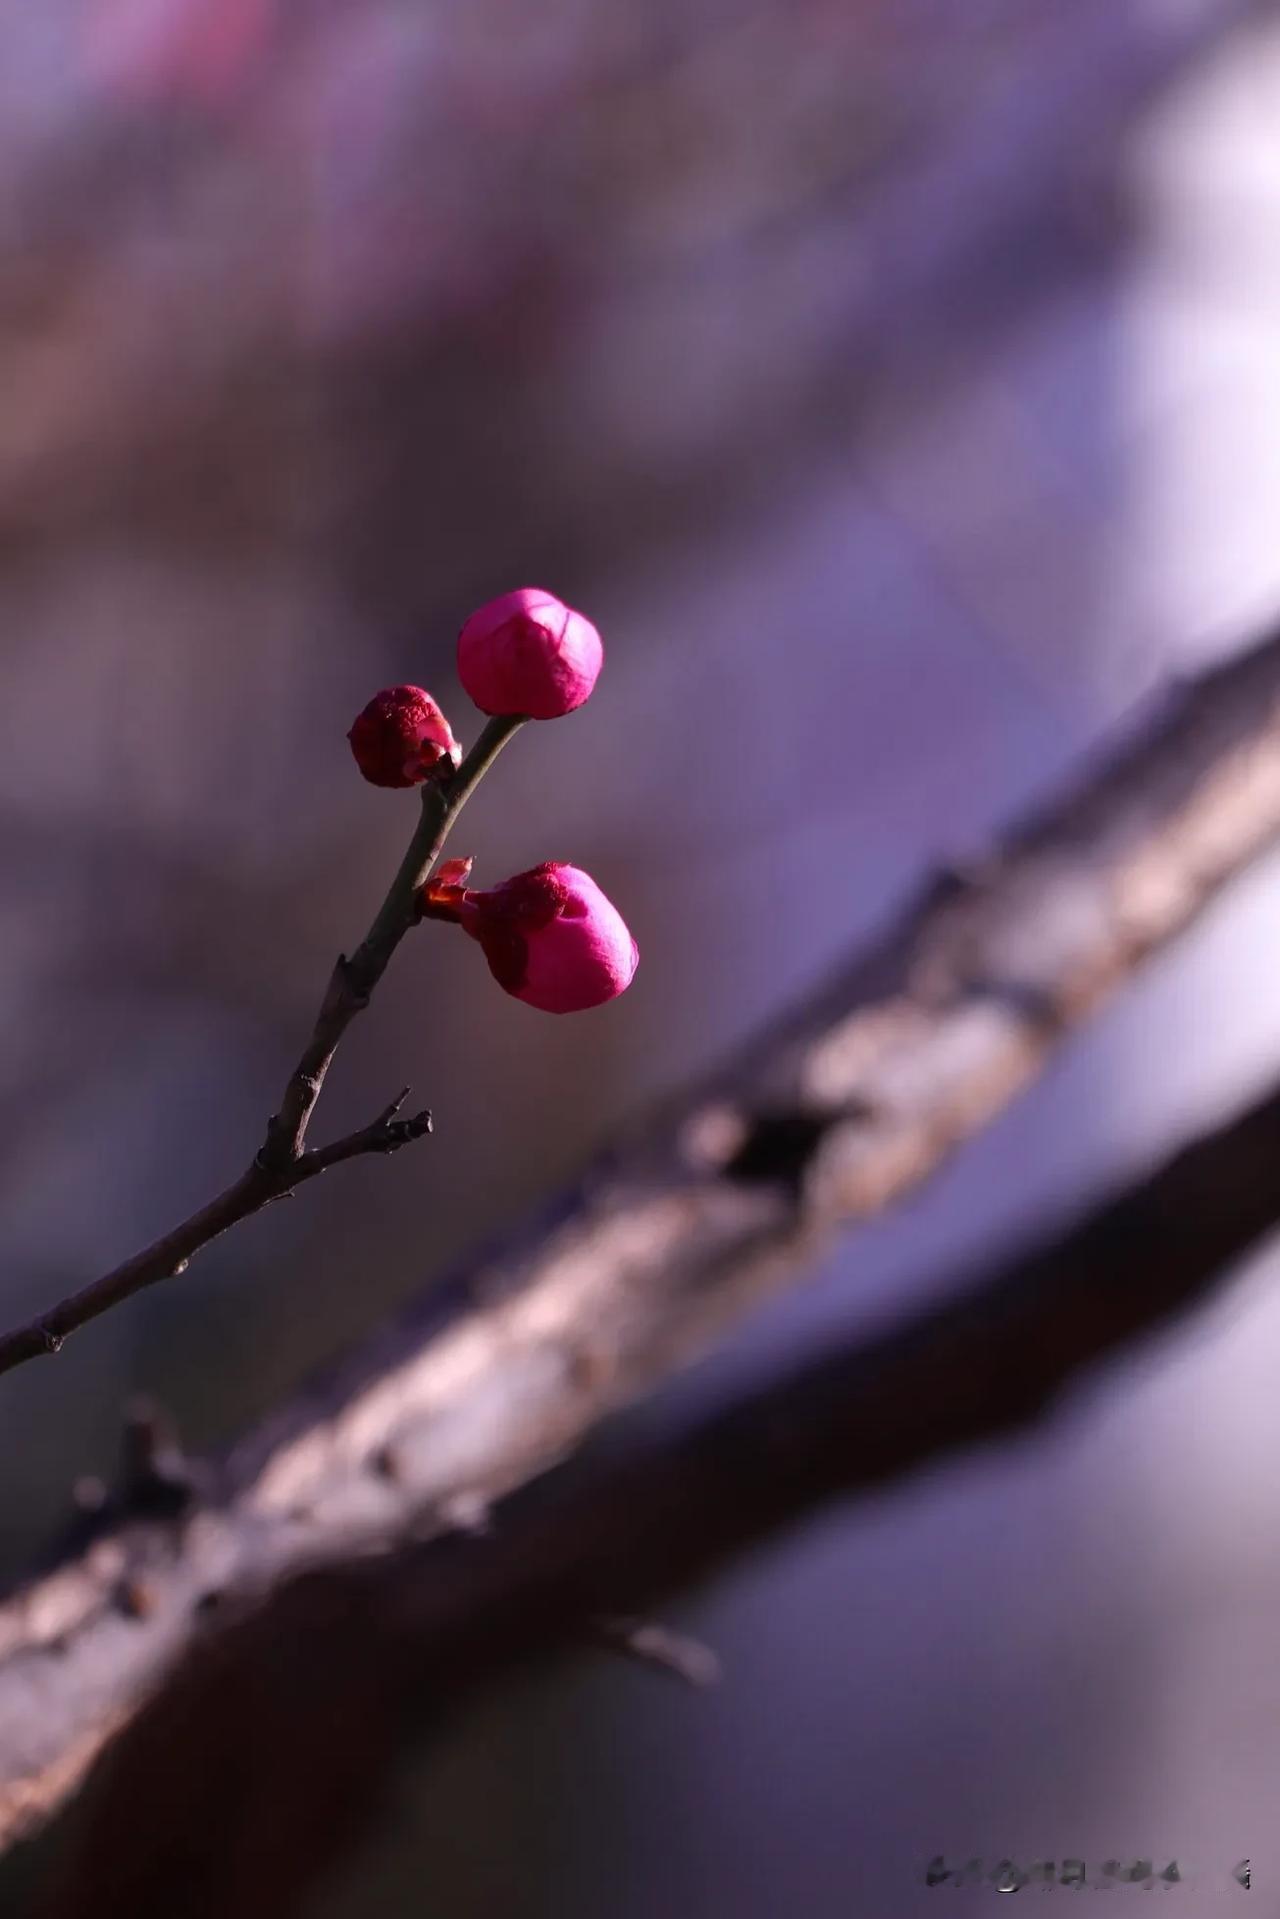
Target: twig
(354,979)
(169,1256)
(674,1235)
(651,1644)
(282,1163)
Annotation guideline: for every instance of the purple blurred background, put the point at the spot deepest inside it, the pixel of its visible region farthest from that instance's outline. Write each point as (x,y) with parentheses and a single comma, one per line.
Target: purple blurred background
(897,385)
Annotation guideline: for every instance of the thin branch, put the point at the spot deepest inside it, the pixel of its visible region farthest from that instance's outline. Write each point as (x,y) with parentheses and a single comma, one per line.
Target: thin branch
(170,1255)
(282,1163)
(353,980)
(386,1134)
(673,1236)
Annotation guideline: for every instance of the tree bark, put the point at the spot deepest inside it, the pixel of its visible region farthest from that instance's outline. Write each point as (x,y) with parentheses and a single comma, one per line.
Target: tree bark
(281,1728)
(669,1239)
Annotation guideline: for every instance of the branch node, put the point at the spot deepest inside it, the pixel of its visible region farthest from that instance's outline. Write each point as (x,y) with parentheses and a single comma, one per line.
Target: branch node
(156,1476)
(657,1647)
(466,1512)
(344,974)
(780,1144)
(402,1132)
(1027,1000)
(134,1598)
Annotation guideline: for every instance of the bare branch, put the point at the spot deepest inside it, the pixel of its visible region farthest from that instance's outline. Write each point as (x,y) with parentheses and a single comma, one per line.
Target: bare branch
(672,1236)
(414,1634)
(354,979)
(282,1164)
(169,1256)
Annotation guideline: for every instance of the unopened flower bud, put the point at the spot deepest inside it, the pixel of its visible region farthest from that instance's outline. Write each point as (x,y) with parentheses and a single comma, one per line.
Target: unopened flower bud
(402,737)
(552,938)
(528,653)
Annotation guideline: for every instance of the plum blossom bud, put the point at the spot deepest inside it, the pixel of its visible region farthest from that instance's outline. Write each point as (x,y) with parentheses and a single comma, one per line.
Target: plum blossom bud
(402,737)
(529,653)
(552,938)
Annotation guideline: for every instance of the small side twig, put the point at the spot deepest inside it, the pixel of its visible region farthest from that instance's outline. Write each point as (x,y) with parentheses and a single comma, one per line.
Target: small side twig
(165,1258)
(353,981)
(283,1163)
(653,1645)
(385,1134)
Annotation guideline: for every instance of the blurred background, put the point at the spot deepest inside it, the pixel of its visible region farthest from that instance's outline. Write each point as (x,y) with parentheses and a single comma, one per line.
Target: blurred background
(896,383)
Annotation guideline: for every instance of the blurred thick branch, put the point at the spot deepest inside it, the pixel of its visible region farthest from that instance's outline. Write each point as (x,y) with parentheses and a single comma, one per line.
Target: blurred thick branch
(671,1237)
(282,1164)
(395,1645)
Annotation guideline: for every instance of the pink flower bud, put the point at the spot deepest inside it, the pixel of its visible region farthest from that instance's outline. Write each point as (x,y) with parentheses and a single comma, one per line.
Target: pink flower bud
(552,938)
(529,653)
(401,737)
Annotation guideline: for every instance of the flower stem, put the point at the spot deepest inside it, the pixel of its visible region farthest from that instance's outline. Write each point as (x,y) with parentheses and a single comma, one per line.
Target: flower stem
(442,801)
(354,979)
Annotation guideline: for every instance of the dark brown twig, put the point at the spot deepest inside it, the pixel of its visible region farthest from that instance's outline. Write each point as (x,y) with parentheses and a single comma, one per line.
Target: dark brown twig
(283,1163)
(354,979)
(170,1255)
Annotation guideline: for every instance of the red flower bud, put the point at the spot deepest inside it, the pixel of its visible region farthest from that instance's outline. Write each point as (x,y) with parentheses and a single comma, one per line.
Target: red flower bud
(529,653)
(401,737)
(552,938)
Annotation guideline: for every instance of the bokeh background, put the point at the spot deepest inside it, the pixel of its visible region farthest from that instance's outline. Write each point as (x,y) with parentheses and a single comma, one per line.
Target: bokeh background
(897,384)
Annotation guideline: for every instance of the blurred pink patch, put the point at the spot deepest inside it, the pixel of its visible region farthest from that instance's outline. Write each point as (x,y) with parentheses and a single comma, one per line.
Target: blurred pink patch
(200,52)
(552,939)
